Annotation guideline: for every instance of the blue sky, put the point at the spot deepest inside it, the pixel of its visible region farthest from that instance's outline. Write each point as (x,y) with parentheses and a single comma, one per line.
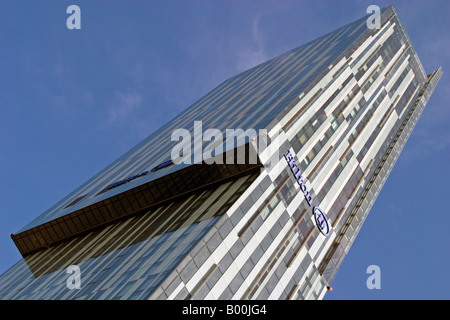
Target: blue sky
(72,101)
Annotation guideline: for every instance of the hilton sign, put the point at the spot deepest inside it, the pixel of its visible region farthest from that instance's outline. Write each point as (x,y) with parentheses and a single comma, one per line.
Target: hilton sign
(319,215)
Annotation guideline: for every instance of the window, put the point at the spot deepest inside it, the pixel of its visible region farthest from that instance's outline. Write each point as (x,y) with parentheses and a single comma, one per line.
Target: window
(311,155)
(334,125)
(303,139)
(75,201)
(162,165)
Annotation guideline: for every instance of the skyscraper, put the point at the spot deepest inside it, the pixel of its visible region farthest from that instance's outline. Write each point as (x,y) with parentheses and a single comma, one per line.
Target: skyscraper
(327,121)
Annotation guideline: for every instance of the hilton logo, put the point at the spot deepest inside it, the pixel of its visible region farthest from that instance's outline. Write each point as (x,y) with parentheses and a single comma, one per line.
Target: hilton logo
(321,221)
(319,216)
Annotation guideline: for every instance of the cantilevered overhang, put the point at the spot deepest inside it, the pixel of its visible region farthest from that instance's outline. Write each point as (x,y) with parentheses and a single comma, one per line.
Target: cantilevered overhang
(130,202)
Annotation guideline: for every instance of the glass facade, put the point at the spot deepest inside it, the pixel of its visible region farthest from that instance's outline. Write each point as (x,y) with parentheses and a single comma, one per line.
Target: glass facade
(342,105)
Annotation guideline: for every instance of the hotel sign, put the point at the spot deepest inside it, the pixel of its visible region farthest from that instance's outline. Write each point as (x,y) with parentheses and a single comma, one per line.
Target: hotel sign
(319,215)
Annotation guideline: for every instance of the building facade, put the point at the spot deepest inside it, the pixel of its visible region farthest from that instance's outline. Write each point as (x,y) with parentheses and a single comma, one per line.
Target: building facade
(326,121)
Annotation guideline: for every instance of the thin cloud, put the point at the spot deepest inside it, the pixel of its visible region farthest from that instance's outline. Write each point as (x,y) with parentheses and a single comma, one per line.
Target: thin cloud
(129,109)
(255,53)
(124,108)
